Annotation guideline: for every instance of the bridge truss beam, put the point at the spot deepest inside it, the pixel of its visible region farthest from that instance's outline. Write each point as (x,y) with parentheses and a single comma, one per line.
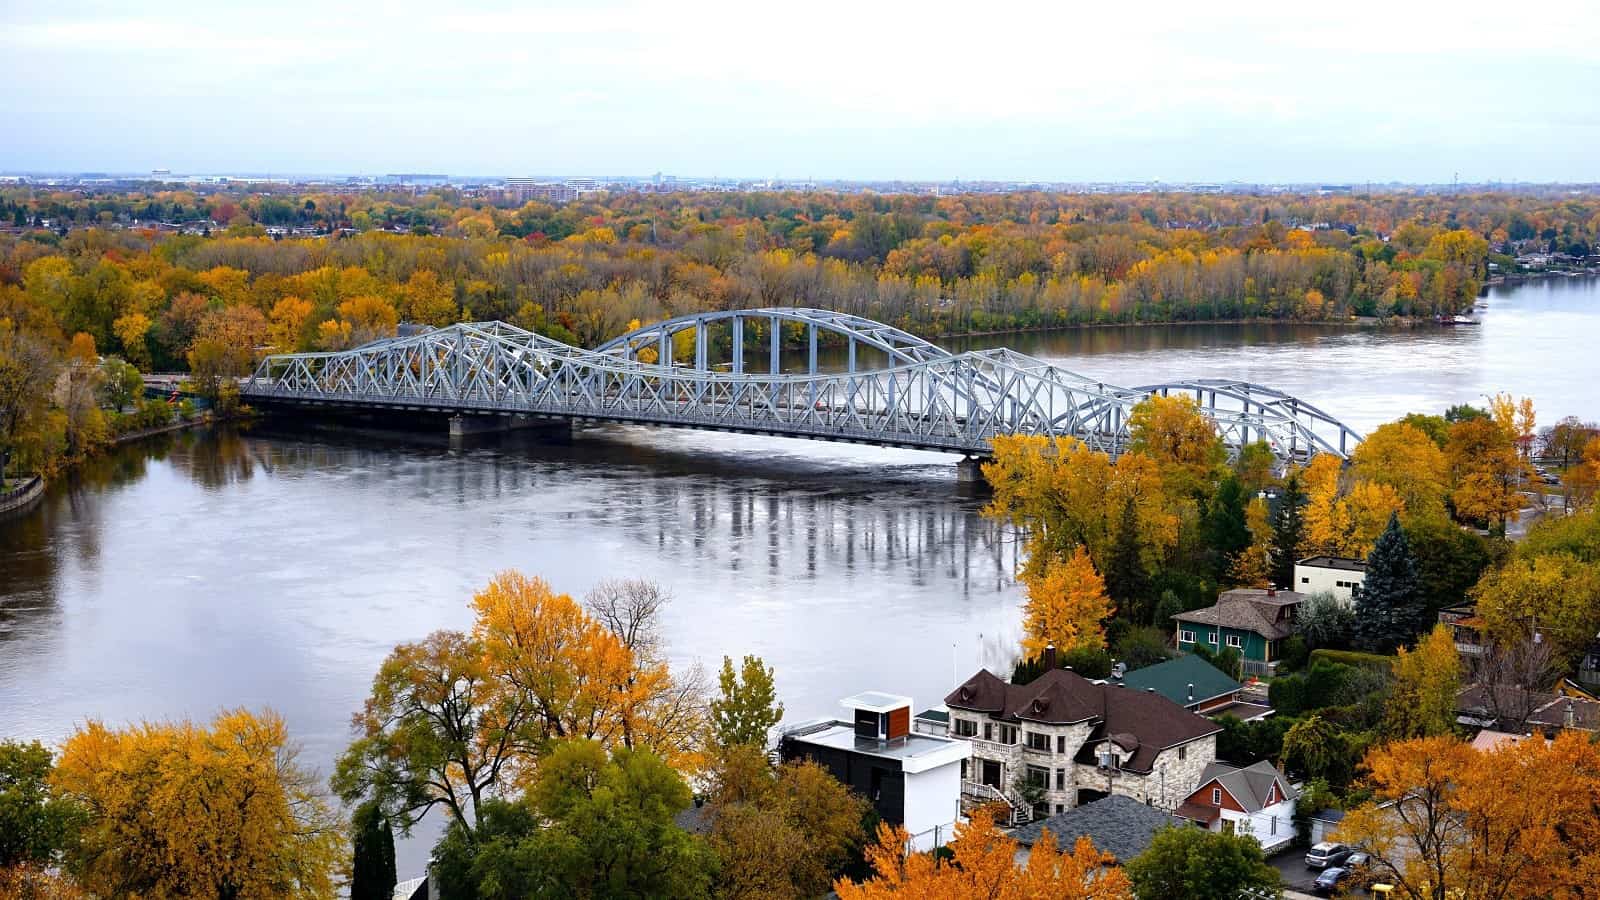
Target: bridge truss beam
(925,397)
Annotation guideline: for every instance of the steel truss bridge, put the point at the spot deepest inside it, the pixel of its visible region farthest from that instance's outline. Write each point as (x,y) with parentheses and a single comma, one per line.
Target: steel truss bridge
(706,371)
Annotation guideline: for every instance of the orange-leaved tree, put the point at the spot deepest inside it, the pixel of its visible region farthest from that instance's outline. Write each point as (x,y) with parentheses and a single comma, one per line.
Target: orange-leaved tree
(983,864)
(1067,605)
(1448,821)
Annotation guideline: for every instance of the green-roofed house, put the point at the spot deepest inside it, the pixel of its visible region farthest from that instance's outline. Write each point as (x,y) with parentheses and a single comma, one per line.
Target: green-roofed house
(1251,621)
(1195,685)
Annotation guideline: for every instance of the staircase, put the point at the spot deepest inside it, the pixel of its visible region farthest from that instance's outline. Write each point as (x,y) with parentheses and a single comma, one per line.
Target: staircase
(975,794)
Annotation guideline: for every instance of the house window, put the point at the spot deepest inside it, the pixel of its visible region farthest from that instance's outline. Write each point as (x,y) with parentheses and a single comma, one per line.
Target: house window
(1008,734)
(1058,808)
(1234,641)
(1305,579)
(1061,743)
(1061,779)
(988,731)
(1216,796)
(1040,742)
(1038,776)
(963,770)
(1183,752)
(1185,636)
(966,728)
(1274,825)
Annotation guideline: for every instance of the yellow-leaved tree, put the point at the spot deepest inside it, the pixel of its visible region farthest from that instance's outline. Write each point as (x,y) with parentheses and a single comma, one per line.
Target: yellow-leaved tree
(1344,516)
(1067,605)
(185,810)
(983,864)
(1427,678)
(1406,459)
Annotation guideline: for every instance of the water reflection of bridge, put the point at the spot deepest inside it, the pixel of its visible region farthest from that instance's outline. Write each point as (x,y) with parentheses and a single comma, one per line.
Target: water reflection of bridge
(895,389)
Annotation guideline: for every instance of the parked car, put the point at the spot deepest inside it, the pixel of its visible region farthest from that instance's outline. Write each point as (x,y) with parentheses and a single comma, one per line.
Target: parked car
(1331,879)
(1358,858)
(1328,853)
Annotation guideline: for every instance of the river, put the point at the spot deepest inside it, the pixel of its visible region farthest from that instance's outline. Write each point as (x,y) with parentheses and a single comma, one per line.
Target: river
(276,567)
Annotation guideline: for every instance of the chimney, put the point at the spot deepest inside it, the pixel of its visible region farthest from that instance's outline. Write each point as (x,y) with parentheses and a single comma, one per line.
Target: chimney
(1049,657)
(1272,591)
(1571,717)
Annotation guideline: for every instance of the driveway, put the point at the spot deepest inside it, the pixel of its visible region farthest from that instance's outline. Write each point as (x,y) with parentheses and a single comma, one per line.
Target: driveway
(1291,864)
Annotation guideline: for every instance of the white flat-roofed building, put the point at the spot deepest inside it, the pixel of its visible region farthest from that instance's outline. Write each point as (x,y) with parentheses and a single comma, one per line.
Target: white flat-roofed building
(1336,575)
(911,779)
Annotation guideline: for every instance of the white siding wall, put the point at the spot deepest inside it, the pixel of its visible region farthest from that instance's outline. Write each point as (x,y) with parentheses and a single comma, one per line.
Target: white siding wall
(1260,824)
(1317,580)
(933,801)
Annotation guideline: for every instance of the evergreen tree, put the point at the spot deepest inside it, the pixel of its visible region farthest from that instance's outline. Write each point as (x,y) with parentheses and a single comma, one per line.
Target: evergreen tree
(1126,579)
(372,875)
(1226,530)
(1288,532)
(1389,603)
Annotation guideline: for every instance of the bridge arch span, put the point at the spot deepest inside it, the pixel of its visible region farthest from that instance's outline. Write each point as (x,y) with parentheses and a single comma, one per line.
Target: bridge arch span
(898,346)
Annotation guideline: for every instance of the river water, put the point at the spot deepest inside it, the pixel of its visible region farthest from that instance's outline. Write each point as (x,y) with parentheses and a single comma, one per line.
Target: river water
(276,567)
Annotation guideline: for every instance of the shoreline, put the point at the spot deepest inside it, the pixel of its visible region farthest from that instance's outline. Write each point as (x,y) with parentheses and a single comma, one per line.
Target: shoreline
(1353,322)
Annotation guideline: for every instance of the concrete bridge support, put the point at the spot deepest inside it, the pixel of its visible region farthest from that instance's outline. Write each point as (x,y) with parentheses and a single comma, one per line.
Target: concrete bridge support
(551,429)
(970,470)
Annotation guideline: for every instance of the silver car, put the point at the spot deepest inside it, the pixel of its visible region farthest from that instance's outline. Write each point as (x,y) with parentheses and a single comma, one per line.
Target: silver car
(1328,853)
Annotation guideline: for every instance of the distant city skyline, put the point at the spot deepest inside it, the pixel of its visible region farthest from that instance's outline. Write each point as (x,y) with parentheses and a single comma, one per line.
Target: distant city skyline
(1257,93)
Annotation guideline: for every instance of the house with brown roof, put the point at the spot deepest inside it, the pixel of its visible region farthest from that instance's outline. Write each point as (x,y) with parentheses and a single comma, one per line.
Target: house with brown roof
(1251,621)
(1063,740)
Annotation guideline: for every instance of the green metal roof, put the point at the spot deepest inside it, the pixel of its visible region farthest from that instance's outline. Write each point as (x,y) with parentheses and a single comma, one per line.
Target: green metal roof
(1172,678)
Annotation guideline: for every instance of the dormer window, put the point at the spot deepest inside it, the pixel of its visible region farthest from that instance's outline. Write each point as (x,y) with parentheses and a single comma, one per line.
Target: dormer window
(1216,796)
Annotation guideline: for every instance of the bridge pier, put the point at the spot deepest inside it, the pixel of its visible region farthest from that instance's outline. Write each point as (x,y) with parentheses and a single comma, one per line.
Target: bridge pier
(969,470)
(466,426)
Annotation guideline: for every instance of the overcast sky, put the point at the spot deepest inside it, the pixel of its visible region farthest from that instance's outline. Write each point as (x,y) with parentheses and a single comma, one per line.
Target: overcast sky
(1060,90)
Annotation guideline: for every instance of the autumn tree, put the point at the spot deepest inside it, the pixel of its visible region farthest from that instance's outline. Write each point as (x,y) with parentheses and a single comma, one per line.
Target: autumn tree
(1407,460)
(1427,678)
(180,810)
(1447,821)
(131,331)
(28,367)
(287,323)
(580,679)
(1485,471)
(784,831)
(983,864)
(1183,443)
(1067,606)
(437,730)
(747,707)
(1554,595)
(1184,863)
(429,300)
(1252,566)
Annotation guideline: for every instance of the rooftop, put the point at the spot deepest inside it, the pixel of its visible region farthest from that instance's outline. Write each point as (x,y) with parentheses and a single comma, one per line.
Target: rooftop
(1343,563)
(915,752)
(1248,785)
(1141,721)
(1267,613)
(1119,825)
(876,701)
(1174,679)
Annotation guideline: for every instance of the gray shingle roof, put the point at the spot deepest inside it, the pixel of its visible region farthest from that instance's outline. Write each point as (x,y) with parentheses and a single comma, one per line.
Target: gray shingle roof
(1247,609)
(1248,785)
(1121,826)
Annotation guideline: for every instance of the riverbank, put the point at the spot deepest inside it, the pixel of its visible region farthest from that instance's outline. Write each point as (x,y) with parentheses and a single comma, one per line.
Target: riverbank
(1352,322)
(22,496)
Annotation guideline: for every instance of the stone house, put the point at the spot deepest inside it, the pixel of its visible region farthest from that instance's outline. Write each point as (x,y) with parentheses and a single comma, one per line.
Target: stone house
(1063,740)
